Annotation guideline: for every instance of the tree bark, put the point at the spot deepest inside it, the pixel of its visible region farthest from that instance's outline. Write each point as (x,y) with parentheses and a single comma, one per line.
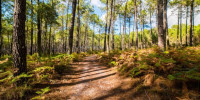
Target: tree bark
(177,43)
(49,51)
(99,47)
(136,27)
(19,46)
(165,22)
(39,30)
(1,37)
(68,3)
(161,42)
(191,18)
(71,31)
(93,37)
(181,23)
(109,28)
(129,38)
(124,27)
(151,32)
(78,29)
(133,34)
(186,38)
(120,32)
(31,49)
(105,46)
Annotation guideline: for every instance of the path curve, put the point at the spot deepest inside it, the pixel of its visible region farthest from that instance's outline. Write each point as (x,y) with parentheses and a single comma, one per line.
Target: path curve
(93,81)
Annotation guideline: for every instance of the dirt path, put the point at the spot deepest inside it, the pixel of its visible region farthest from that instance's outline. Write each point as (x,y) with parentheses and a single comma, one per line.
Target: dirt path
(93,81)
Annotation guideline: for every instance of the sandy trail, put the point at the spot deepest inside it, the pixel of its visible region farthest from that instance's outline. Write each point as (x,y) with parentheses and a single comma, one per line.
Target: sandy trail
(93,81)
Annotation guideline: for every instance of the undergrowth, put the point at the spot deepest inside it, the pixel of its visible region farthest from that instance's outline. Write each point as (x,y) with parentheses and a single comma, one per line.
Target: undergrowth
(173,68)
(40,70)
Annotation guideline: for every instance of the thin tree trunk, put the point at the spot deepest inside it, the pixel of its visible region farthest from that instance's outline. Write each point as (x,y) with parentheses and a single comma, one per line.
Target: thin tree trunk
(124,28)
(31,49)
(85,38)
(109,28)
(99,38)
(113,28)
(133,34)
(151,32)
(45,40)
(177,43)
(105,46)
(120,33)
(71,31)
(136,27)
(78,29)
(63,34)
(68,3)
(113,36)
(165,22)
(93,37)
(129,38)
(191,17)
(181,23)
(186,40)
(39,31)
(161,42)
(49,51)
(141,33)
(19,46)
(1,37)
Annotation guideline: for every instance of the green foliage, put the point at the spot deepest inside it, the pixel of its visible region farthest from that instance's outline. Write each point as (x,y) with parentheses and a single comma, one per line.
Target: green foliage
(113,63)
(134,72)
(6,76)
(41,93)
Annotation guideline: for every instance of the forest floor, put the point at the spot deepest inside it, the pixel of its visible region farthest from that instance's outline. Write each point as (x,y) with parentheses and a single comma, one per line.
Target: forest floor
(92,80)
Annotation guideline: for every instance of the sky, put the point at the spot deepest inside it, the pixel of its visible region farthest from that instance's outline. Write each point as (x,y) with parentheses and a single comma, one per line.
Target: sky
(171,12)
(172,16)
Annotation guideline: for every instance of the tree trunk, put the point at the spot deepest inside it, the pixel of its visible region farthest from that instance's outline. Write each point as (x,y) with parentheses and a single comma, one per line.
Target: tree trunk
(181,23)
(49,51)
(71,31)
(78,29)
(177,43)
(93,37)
(161,42)
(45,38)
(133,34)
(186,43)
(129,38)
(31,49)
(124,28)
(19,46)
(165,22)
(120,33)
(136,27)
(191,17)
(113,36)
(39,31)
(141,33)
(109,28)
(113,28)
(105,46)
(151,32)
(63,34)
(99,38)
(85,38)
(1,37)
(68,3)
